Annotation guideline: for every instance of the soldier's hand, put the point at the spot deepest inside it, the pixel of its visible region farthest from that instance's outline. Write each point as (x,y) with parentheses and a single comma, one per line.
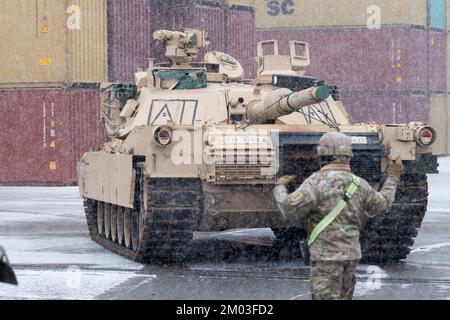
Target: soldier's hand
(396,168)
(287,181)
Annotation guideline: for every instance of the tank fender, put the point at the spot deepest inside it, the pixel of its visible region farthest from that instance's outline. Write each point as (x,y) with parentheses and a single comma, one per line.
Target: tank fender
(108,178)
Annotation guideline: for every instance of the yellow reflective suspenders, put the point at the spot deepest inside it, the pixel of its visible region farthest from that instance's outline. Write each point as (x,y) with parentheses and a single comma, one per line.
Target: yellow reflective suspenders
(330,217)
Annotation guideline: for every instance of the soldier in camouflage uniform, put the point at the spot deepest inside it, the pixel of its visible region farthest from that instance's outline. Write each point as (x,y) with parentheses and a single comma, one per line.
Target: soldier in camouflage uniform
(6,272)
(335,203)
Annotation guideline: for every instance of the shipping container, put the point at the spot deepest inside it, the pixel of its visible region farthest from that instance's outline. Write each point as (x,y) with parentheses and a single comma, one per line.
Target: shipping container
(447,14)
(129,38)
(45,132)
(231,29)
(448,124)
(240,37)
(448,62)
(397,59)
(386,107)
(439,119)
(52,42)
(398,108)
(437,62)
(437,14)
(370,14)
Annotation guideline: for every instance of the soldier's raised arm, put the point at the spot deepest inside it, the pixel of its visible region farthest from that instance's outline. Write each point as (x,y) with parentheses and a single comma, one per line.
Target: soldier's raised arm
(299,203)
(380,203)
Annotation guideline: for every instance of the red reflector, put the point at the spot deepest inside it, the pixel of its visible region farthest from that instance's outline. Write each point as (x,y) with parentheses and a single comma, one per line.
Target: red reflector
(427,134)
(164,134)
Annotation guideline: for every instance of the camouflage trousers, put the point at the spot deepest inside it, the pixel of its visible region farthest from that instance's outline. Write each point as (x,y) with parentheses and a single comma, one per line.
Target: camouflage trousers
(333,280)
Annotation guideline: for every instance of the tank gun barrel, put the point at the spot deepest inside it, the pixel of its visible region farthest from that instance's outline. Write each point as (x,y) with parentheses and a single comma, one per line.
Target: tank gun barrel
(284,102)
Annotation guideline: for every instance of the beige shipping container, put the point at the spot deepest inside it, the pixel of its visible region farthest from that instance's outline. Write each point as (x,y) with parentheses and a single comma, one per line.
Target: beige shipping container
(440,119)
(273,14)
(52,42)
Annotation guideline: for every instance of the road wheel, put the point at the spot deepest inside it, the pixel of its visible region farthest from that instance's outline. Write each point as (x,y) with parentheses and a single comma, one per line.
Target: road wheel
(107,221)
(114,223)
(101,217)
(127,227)
(120,225)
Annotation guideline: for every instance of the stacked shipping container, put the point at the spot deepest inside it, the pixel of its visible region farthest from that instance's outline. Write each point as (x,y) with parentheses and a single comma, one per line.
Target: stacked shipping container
(54,55)
(45,132)
(388,57)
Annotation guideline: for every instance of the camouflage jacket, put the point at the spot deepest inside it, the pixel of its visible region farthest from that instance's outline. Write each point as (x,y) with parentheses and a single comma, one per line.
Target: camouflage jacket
(320,194)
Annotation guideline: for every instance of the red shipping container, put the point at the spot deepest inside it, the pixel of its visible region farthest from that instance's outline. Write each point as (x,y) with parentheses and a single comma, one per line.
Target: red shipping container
(386,108)
(394,59)
(45,132)
(129,38)
(241,37)
(437,61)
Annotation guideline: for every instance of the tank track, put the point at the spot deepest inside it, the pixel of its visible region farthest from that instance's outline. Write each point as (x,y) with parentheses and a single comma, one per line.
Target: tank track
(390,238)
(292,243)
(164,232)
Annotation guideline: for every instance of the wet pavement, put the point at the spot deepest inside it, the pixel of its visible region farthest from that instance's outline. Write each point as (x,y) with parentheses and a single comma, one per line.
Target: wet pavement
(44,232)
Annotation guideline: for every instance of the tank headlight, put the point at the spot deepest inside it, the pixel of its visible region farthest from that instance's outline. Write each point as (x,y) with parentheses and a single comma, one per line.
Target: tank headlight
(163,135)
(426,136)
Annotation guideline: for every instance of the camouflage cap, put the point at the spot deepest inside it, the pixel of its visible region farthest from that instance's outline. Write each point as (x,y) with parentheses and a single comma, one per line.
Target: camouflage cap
(335,144)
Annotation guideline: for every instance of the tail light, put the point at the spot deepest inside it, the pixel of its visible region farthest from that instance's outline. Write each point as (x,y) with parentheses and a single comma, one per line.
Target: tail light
(163,135)
(426,136)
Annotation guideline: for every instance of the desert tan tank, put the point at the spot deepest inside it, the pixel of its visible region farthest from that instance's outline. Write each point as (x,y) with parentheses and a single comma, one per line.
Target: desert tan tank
(195,147)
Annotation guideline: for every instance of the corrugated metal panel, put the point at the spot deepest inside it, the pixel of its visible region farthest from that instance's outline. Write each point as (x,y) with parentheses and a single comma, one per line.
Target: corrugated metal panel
(48,42)
(241,38)
(129,38)
(439,120)
(87,60)
(436,14)
(360,59)
(448,63)
(437,72)
(448,124)
(384,107)
(331,13)
(45,132)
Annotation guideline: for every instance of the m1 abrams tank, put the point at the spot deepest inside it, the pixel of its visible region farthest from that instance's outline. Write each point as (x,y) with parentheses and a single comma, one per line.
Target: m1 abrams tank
(194,147)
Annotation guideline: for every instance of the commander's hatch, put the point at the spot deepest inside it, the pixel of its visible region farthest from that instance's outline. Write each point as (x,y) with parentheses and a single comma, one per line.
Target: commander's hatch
(270,62)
